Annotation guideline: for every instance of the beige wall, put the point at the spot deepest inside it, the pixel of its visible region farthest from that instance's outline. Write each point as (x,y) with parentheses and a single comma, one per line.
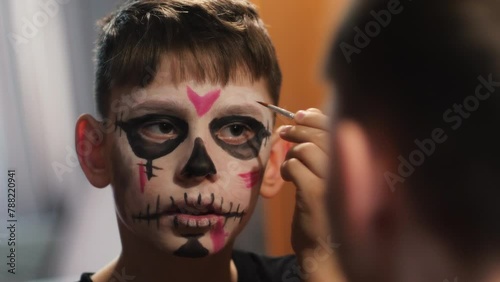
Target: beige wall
(301,31)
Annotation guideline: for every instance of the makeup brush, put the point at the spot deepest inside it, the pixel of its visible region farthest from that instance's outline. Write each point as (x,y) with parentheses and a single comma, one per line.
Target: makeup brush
(278,110)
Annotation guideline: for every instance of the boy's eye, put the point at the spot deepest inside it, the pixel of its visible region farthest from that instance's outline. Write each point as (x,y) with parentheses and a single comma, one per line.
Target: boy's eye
(240,136)
(235,134)
(159,131)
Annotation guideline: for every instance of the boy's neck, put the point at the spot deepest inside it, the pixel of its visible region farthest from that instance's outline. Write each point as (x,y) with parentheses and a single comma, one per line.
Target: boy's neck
(141,261)
(152,268)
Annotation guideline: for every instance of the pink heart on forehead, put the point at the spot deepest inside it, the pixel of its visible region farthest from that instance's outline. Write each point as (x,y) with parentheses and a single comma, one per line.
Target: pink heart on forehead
(203,103)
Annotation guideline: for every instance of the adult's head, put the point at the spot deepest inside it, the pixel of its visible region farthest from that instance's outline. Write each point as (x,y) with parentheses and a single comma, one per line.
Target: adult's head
(415,184)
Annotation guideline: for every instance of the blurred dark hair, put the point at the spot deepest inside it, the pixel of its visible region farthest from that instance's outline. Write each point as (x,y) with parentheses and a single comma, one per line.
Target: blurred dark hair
(205,40)
(400,86)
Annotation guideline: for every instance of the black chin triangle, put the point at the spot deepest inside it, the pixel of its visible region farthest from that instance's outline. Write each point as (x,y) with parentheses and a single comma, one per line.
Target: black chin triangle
(199,164)
(192,249)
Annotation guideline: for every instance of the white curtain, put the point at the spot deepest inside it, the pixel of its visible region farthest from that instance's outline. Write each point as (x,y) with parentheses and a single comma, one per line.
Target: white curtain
(64,226)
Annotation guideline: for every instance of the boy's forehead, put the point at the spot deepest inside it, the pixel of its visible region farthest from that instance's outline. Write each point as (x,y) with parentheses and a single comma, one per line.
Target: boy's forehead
(165,88)
(241,86)
(233,98)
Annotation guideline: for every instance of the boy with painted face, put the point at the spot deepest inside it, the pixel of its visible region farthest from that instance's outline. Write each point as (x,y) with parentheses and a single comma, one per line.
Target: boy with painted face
(186,147)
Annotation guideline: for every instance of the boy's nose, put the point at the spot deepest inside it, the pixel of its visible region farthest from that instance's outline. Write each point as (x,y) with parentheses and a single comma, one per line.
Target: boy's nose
(199,163)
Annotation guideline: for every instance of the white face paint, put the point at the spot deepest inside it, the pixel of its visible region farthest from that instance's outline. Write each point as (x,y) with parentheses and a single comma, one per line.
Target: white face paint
(188,162)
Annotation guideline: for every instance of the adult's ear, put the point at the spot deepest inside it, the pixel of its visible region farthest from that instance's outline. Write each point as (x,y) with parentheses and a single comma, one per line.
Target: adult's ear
(90,148)
(272,181)
(365,201)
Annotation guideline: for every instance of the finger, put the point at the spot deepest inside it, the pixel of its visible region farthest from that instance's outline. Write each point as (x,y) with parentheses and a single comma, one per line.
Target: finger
(313,110)
(309,154)
(308,185)
(303,134)
(312,119)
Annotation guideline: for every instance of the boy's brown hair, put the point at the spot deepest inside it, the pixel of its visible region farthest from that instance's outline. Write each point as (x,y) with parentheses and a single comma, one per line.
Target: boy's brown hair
(214,41)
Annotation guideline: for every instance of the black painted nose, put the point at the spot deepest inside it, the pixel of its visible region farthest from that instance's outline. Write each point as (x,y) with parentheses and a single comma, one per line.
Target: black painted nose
(199,164)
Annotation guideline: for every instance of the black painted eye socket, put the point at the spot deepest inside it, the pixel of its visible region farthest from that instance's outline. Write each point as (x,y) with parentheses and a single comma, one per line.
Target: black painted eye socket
(240,136)
(153,136)
(159,131)
(235,133)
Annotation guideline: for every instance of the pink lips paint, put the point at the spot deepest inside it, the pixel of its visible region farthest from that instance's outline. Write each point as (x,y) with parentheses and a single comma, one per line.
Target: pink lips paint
(218,236)
(203,103)
(251,178)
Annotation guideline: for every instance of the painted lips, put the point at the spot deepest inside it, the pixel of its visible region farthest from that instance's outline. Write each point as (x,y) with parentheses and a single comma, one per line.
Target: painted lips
(193,213)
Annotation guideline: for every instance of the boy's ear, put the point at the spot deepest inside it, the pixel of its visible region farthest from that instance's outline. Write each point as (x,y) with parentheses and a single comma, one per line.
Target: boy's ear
(272,181)
(90,148)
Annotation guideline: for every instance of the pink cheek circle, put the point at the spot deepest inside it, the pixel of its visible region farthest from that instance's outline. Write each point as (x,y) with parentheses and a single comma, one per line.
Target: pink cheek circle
(240,183)
(251,179)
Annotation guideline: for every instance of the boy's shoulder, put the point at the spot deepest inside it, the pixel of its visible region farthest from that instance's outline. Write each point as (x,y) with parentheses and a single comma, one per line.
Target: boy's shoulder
(86,277)
(260,268)
(251,267)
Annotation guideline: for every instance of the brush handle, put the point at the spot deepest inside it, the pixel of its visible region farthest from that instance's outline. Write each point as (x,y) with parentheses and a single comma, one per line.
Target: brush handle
(281,111)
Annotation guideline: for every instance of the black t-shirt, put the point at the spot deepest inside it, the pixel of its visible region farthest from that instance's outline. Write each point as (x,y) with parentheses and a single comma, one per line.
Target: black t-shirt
(253,268)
